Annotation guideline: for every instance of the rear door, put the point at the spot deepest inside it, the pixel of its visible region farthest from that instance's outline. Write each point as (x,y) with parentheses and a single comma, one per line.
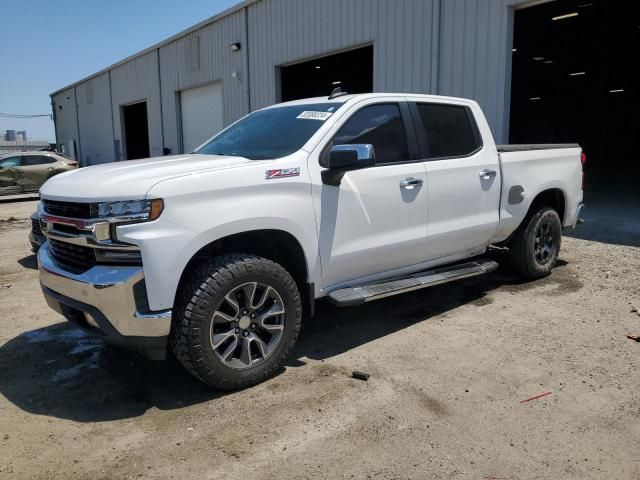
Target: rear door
(463,179)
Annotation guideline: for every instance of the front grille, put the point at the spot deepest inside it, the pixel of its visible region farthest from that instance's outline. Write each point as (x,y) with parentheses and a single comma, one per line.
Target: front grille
(75,258)
(68,209)
(35,227)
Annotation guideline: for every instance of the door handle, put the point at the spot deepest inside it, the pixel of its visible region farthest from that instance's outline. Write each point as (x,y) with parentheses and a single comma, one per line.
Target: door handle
(410,183)
(487,174)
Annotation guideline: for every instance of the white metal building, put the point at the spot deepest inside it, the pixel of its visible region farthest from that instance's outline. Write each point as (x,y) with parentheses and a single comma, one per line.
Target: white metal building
(174,95)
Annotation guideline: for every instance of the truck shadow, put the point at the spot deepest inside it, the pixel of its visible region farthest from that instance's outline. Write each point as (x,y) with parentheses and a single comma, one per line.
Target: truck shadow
(334,330)
(62,372)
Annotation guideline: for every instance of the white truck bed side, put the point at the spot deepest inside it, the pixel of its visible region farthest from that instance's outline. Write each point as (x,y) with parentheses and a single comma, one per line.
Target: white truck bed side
(528,170)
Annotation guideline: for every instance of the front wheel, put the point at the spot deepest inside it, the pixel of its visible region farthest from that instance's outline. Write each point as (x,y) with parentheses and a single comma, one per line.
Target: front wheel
(237,319)
(534,250)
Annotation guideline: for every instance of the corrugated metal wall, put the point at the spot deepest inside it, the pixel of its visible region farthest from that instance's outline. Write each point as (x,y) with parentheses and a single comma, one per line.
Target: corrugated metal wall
(94,120)
(288,31)
(200,58)
(135,81)
(64,107)
(475,52)
(448,47)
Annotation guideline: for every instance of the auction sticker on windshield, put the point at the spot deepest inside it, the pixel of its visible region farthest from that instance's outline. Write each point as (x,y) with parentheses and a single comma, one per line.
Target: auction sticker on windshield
(313,115)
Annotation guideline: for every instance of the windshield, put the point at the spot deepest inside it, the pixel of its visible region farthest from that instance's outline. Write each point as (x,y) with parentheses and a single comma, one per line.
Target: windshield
(271,133)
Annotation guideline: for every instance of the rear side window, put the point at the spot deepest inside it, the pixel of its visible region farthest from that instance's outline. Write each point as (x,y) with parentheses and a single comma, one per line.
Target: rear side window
(381,126)
(32,160)
(449,130)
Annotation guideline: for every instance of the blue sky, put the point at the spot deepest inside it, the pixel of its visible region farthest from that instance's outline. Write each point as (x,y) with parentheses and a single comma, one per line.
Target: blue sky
(46,45)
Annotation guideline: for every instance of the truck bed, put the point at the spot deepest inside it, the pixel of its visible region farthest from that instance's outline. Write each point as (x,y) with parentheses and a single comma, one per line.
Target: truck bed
(524,147)
(530,169)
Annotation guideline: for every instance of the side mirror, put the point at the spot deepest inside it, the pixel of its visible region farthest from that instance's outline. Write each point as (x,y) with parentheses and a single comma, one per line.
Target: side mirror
(351,157)
(343,158)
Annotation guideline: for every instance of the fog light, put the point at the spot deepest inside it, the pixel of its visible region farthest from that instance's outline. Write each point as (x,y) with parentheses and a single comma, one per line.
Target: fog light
(111,256)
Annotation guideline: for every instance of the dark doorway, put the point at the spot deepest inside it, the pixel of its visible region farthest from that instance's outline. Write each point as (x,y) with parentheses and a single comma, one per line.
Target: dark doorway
(575,79)
(136,130)
(351,70)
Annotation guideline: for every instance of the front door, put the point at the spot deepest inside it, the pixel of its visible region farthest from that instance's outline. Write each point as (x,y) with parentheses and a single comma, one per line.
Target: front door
(11,175)
(375,220)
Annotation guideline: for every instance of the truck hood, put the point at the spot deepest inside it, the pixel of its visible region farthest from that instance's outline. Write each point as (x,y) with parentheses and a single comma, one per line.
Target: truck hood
(132,179)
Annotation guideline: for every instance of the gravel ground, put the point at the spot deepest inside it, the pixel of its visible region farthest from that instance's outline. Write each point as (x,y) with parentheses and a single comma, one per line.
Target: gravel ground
(449,367)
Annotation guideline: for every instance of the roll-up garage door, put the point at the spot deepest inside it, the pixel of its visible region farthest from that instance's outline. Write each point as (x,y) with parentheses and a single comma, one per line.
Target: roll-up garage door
(201,114)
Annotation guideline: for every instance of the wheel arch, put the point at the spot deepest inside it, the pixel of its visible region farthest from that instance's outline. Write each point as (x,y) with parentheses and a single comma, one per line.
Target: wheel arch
(551,197)
(277,245)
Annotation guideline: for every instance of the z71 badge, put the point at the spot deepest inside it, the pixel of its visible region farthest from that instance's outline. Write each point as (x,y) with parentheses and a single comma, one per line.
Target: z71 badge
(282,173)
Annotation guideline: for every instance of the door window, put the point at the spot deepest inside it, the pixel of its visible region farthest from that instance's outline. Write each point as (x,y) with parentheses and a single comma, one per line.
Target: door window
(10,162)
(381,126)
(449,130)
(33,160)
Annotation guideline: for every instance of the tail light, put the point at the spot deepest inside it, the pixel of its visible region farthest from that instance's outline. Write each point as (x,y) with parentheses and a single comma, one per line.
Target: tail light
(583,161)
(72,163)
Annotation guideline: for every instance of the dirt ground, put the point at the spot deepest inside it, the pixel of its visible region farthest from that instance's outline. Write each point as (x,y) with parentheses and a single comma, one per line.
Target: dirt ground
(449,367)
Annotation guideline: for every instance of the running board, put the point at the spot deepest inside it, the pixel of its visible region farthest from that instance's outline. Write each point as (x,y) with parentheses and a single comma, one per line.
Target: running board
(349,297)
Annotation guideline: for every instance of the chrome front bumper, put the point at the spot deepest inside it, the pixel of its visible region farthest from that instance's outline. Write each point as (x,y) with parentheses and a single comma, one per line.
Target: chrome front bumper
(106,300)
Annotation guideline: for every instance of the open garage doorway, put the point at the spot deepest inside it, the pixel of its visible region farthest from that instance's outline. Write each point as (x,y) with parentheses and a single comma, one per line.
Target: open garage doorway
(136,130)
(351,70)
(575,79)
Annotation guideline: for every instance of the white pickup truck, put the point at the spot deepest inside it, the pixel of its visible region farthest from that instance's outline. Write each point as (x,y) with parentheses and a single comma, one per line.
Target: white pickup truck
(223,251)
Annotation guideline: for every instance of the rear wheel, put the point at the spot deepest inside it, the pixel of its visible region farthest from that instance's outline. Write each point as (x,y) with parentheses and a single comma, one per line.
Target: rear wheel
(534,250)
(237,320)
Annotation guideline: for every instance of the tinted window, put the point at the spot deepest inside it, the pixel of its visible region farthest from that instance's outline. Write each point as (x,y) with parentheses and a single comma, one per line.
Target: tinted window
(382,127)
(10,162)
(32,160)
(271,133)
(448,130)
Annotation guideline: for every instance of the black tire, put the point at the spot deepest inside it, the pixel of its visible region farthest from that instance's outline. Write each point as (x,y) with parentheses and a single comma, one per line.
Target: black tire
(541,227)
(202,295)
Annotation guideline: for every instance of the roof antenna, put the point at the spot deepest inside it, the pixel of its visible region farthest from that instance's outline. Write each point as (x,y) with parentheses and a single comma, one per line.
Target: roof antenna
(337,92)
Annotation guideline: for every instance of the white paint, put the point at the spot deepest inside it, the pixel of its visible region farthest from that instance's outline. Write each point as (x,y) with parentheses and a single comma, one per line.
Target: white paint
(462,207)
(536,171)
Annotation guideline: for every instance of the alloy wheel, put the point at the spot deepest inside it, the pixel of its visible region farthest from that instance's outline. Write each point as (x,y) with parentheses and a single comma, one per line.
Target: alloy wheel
(247,325)
(544,247)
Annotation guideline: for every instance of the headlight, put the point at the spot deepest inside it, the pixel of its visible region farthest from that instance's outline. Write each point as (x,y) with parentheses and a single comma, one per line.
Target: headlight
(141,209)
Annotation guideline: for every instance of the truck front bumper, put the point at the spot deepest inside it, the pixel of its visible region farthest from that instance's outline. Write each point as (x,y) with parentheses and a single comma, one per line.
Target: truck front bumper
(108,301)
